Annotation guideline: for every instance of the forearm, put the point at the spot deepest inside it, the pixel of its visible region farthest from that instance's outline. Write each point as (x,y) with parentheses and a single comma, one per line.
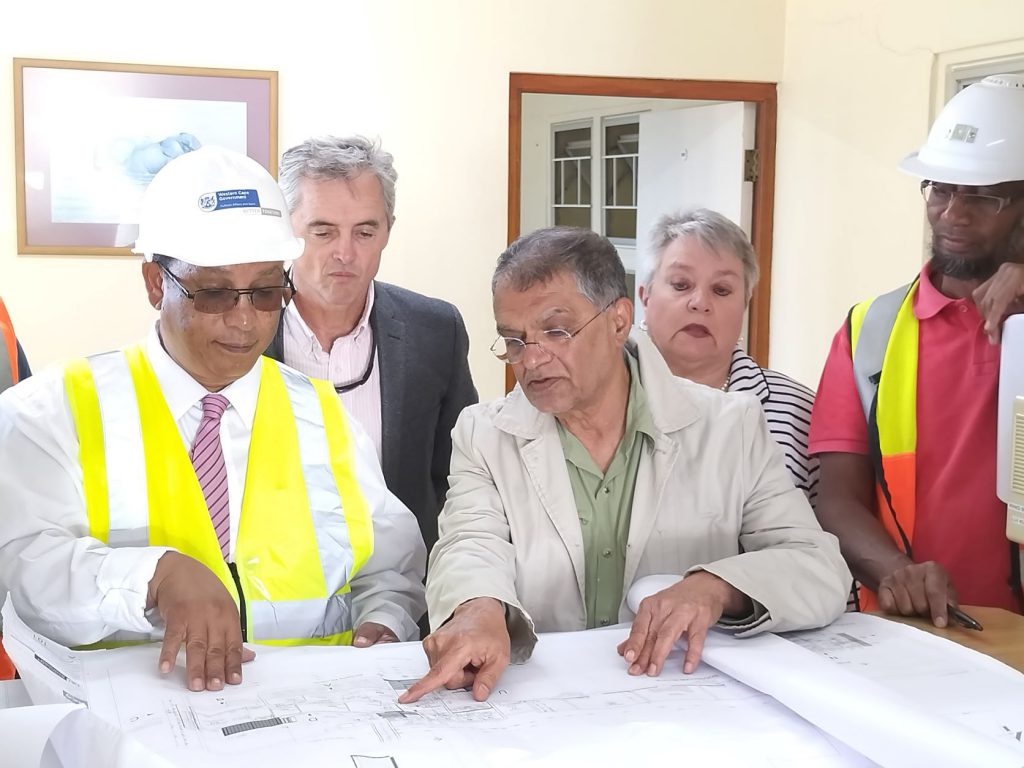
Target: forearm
(866,545)
(103,590)
(65,584)
(388,589)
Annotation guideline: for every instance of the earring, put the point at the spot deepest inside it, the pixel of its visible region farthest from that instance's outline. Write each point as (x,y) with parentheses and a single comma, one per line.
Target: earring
(643,325)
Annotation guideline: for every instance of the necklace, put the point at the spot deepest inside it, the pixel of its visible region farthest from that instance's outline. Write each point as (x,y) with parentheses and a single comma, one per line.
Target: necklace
(728,378)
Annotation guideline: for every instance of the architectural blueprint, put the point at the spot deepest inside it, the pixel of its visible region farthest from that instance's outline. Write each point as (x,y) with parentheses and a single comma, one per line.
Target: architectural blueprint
(571,704)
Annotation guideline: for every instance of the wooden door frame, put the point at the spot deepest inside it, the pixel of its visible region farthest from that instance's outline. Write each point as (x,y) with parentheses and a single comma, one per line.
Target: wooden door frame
(764,95)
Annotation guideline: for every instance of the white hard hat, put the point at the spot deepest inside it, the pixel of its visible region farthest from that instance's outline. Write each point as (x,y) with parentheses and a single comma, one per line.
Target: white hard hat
(213,208)
(978,138)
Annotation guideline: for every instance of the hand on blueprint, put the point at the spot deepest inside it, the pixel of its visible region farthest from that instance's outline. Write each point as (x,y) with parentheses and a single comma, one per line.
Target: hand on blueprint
(470,650)
(918,589)
(199,613)
(688,608)
(999,296)
(370,633)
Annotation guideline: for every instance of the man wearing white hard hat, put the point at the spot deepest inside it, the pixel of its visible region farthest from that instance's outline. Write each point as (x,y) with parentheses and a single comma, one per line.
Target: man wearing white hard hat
(186,486)
(905,418)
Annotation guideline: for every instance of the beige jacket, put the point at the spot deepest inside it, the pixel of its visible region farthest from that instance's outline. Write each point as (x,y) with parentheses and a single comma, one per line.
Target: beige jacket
(712,493)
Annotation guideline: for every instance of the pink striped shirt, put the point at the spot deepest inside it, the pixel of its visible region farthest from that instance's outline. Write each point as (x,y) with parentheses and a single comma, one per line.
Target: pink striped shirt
(345,362)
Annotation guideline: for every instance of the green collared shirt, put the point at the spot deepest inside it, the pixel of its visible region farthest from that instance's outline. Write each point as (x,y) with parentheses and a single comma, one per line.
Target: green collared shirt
(604,502)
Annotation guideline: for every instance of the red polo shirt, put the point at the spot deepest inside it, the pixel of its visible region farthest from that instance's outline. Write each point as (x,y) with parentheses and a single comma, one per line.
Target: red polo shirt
(960,522)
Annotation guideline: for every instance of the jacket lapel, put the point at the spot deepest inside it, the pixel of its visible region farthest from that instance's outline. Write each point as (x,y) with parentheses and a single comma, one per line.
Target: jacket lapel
(389,329)
(671,412)
(544,461)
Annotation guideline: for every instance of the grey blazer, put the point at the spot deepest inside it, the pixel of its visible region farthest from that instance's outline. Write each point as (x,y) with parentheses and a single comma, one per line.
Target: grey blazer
(424,385)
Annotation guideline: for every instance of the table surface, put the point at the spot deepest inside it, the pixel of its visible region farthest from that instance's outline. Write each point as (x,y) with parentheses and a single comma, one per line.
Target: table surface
(1003,636)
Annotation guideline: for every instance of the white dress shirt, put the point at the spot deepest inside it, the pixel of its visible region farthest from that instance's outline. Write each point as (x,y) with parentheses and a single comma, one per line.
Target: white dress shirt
(77,590)
(346,361)
(184,397)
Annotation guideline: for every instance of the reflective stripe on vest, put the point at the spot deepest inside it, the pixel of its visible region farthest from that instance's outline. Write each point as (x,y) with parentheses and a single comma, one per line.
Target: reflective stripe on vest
(305,528)
(884,343)
(9,354)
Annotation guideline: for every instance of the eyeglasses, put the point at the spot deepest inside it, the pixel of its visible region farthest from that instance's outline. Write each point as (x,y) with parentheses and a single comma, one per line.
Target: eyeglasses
(217,301)
(939,195)
(511,350)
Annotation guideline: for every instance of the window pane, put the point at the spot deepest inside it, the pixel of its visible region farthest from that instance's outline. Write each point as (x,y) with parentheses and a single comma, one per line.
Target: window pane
(620,223)
(622,139)
(573,143)
(619,186)
(573,217)
(556,193)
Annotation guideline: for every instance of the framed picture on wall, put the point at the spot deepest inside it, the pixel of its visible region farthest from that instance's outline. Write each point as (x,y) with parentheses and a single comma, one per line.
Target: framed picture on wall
(89,137)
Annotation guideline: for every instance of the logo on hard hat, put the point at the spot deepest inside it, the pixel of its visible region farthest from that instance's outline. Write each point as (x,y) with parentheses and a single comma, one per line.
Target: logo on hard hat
(962,132)
(229,198)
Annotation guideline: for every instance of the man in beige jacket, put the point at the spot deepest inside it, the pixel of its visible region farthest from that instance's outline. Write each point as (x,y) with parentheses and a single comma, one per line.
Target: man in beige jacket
(602,468)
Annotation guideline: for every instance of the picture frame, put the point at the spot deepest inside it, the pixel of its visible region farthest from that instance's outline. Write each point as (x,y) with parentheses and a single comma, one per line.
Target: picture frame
(89,136)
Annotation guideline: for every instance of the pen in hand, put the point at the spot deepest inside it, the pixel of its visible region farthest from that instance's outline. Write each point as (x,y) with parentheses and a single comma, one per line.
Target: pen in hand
(962,618)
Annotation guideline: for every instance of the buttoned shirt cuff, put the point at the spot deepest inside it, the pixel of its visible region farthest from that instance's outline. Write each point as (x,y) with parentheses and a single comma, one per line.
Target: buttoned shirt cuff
(123,582)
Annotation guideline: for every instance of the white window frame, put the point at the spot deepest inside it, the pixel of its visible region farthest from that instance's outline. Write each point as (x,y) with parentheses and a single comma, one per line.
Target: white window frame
(959,76)
(608,122)
(596,124)
(570,125)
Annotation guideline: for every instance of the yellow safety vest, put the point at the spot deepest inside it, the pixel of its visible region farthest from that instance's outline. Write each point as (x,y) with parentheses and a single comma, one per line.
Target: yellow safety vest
(884,336)
(305,528)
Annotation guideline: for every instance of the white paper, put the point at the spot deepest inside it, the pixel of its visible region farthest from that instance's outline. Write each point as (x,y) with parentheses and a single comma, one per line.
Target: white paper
(13,694)
(25,732)
(573,703)
(878,722)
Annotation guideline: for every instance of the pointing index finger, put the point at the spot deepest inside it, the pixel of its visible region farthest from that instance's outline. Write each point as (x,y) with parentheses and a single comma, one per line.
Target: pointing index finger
(445,668)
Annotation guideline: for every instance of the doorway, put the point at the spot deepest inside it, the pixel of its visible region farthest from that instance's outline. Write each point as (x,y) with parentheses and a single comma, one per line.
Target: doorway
(579,147)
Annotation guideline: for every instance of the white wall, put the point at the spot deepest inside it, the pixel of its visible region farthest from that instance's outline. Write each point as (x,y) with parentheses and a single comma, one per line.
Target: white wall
(431,78)
(857,94)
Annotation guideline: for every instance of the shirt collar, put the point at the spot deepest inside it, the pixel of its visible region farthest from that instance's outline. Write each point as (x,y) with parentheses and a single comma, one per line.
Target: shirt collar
(292,313)
(182,392)
(929,300)
(638,410)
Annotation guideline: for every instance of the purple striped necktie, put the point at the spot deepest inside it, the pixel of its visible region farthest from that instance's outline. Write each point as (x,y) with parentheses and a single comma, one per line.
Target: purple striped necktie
(208,461)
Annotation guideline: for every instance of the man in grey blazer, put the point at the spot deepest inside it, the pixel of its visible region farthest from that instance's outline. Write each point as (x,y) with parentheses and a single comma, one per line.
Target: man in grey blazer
(397,358)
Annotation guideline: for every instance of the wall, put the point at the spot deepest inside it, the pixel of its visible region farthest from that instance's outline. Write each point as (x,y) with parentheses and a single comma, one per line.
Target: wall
(430,78)
(858,92)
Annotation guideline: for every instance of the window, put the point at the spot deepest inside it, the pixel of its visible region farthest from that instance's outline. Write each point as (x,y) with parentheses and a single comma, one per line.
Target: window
(578,172)
(572,171)
(961,75)
(621,149)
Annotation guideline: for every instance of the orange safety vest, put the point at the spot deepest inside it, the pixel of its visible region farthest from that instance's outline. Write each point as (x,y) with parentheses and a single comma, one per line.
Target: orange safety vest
(10,359)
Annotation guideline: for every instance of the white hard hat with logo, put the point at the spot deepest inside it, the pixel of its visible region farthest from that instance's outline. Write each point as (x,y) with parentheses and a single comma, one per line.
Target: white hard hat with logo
(213,208)
(978,138)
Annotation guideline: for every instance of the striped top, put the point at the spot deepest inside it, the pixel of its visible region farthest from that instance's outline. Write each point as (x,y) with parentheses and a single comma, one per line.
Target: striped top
(787,406)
